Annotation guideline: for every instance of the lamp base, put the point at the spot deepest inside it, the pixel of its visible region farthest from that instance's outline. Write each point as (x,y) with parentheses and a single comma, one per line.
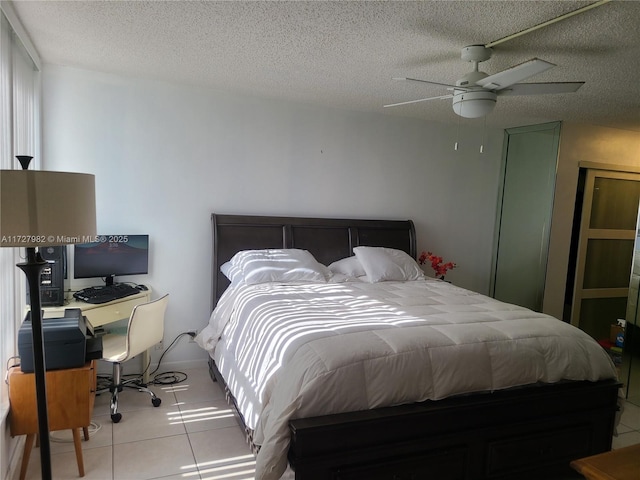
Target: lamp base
(33,268)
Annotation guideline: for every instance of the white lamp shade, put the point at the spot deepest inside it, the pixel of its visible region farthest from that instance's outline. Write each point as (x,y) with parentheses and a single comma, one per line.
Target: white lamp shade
(39,208)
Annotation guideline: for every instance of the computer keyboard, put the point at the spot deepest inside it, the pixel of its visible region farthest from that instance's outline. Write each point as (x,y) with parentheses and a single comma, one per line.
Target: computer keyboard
(105,294)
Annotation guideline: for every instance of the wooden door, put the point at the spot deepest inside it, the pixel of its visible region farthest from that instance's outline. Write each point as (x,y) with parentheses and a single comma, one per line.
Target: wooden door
(605,250)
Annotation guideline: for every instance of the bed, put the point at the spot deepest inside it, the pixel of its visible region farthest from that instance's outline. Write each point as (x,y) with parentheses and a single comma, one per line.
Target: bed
(522,429)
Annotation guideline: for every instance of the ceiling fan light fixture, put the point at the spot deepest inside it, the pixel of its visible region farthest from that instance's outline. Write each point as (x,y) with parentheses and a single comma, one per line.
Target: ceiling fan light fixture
(474,104)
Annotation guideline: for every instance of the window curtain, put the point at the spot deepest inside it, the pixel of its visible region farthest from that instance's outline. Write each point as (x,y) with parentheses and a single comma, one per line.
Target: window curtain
(19,135)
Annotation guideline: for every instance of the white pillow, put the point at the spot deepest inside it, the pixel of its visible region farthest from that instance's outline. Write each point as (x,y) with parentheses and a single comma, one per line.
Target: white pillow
(349,266)
(381,263)
(274,265)
(231,272)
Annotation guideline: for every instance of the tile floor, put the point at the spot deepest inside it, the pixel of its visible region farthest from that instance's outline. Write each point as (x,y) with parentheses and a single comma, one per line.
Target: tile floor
(192,435)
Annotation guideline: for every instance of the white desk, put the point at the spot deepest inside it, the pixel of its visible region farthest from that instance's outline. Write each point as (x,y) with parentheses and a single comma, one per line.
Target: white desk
(102,314)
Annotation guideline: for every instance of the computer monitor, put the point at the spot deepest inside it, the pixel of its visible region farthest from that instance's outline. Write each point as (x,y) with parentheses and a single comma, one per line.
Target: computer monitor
(111,256)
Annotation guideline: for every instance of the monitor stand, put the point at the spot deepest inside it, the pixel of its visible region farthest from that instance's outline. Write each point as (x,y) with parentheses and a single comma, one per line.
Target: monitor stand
(109,280)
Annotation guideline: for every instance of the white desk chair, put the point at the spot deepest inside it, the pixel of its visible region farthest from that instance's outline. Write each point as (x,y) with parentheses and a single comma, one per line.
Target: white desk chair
(145,329)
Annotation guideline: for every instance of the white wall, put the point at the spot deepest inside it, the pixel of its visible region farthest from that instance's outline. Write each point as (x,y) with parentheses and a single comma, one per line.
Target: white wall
(167,156)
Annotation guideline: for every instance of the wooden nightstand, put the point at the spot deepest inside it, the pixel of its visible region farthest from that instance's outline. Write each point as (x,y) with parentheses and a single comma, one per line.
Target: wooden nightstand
(70,398)
(620,464)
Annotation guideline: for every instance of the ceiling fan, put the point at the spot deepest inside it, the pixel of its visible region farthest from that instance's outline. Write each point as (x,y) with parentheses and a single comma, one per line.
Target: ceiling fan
(476,93)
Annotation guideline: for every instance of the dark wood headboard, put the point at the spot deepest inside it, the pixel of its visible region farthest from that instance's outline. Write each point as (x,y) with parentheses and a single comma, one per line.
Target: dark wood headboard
(328,239)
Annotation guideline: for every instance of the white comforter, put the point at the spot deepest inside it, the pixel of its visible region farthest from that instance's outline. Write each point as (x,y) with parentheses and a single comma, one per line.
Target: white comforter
(290,351)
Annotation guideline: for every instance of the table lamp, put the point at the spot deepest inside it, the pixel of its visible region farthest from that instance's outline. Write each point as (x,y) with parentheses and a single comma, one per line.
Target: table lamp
(37,209)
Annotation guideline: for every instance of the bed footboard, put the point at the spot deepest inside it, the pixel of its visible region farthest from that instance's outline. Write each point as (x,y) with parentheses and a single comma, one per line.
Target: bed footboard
(531,432)
(521,433)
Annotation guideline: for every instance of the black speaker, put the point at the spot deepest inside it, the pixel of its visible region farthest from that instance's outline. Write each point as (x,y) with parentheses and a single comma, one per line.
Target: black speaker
(53,275)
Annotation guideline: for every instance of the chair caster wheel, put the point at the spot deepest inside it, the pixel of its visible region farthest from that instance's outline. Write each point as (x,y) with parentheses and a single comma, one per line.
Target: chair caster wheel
(116,417)
(156,402)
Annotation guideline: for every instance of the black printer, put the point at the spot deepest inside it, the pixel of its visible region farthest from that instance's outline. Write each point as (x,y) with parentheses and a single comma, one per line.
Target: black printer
(68,343)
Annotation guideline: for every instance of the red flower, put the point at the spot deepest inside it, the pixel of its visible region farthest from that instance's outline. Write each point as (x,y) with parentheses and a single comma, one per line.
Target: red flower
(437,264)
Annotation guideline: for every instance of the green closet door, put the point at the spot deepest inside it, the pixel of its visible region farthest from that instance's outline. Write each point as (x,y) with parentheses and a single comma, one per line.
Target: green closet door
(524,216)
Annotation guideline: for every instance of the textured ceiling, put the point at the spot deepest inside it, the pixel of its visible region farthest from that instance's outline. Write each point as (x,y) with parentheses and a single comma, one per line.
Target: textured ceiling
(344,54)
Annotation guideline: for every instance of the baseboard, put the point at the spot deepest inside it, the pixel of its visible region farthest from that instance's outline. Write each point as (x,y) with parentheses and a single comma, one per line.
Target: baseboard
(15,459)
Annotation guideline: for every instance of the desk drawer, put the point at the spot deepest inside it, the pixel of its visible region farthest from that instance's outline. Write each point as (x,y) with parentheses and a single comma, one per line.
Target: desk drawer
(113,312)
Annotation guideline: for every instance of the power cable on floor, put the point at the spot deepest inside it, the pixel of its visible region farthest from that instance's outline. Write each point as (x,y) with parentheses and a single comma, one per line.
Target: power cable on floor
(164,378)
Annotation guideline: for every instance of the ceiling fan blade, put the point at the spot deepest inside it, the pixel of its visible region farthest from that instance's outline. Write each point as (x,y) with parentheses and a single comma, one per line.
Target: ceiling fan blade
(417,101)
(425,81)
(540,88)
(515,74)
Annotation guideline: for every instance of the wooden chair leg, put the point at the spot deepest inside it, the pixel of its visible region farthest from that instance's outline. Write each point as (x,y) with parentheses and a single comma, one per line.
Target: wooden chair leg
(85,430)
(28,444)
(78,446)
